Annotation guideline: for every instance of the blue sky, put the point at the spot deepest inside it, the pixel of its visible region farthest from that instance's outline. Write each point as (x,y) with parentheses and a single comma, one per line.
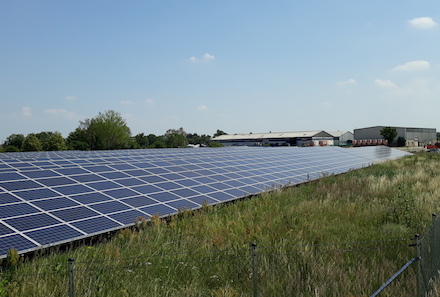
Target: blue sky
(239,66)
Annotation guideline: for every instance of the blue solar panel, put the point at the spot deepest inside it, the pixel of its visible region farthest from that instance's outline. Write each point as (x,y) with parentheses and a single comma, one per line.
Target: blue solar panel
(19,185)
(104,185)
(73,189)
(158,209)
(16,241)
(54,203)
(221,196)
(183,204)
(139,201)
(5,230)
(90,198)
(40,173)
(109,207)
(127,217)
(96,225)
(71,194)
(8,198)
(86,178)
(39,193)
(18,209)
(76,213)
(32,222)
(58,233)
(163,196)
(169,185)
(9,176)
(55,181)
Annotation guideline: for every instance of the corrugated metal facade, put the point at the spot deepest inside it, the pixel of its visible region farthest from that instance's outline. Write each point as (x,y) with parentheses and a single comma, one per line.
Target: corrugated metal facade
(413,136)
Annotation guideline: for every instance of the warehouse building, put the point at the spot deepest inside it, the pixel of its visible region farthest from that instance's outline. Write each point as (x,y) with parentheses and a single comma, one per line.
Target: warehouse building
(304,138)
(413,136)
(342,137)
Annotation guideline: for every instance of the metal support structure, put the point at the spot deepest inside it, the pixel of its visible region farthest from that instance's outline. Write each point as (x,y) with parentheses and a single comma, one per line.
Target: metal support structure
(71,278)
(254,269)
(394,276)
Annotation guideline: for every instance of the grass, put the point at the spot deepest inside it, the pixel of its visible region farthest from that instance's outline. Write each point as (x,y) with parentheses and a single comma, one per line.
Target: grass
(325,238)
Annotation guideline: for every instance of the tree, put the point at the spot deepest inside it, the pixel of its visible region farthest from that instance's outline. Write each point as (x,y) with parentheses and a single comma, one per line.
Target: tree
(56,142)
(218,133)
(44,139)
(158,144)
(176,138)
(106,131)
(142,140)
(388,133)
(77,140)
(32,143)
(152,138)
(216,144)
(14,140)
(198,139)
(10,149)
(401,141)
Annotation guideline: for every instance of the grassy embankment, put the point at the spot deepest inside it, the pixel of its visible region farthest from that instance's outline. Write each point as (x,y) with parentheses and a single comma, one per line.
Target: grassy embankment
(207,252)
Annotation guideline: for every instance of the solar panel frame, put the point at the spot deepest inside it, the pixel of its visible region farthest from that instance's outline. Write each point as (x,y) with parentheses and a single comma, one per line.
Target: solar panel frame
(72,195)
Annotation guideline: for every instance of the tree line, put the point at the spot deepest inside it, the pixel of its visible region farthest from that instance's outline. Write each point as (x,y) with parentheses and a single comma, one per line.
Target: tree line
(106,131)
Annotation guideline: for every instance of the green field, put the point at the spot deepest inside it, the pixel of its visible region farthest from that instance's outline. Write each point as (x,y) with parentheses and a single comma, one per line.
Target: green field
(341,235)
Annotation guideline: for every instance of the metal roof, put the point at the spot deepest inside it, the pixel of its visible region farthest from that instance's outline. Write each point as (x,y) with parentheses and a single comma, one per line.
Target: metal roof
(339,133)
(273,135)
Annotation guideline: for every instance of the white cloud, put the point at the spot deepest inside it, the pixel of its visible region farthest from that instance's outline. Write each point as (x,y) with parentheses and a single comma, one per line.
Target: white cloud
(202,107)
(412,66)
(149,101)
(62,112)
(26,111)
(206,57)
(422,23)
(55,111)
(127,102)
(385,83)
(70,98)
(348,82)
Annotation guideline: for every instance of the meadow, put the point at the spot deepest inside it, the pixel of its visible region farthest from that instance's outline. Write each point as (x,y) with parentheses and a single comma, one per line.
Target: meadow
(342,235)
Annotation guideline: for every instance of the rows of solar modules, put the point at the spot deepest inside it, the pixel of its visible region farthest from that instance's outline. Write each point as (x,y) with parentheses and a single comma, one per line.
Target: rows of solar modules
(50,198)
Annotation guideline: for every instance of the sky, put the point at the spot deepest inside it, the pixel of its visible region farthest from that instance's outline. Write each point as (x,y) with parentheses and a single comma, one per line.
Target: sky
(239,66)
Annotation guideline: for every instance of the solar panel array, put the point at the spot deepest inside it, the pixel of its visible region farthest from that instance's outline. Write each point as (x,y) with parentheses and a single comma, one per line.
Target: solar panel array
(50,198)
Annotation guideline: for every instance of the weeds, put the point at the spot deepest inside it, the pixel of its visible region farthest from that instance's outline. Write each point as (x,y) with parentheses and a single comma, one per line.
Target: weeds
(207,252)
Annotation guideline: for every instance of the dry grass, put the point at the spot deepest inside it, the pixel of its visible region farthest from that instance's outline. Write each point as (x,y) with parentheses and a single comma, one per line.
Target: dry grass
(207,252)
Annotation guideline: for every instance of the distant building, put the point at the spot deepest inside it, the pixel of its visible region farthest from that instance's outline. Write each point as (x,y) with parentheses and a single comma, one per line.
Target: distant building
(413,136)
(342,137)
(305,138)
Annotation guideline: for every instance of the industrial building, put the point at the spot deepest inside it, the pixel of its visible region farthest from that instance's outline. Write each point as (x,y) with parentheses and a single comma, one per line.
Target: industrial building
(342,137)
(304,138)
(413,136)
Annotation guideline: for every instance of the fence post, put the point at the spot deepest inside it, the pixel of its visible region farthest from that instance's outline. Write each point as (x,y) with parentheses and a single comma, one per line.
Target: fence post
(422,285)
(71,278)
(435,253)
(254,269)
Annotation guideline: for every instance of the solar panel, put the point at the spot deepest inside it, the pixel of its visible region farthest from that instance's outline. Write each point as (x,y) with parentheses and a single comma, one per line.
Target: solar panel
(49,198)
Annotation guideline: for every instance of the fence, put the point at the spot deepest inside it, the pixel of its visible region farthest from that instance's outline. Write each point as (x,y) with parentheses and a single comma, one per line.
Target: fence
(301,270)
(428,248)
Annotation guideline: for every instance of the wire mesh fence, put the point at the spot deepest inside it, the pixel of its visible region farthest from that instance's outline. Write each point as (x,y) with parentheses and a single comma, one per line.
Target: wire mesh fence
(428,248)
(299,270)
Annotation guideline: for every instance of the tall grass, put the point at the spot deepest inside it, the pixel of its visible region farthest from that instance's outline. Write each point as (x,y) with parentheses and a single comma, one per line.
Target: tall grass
(325,238)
